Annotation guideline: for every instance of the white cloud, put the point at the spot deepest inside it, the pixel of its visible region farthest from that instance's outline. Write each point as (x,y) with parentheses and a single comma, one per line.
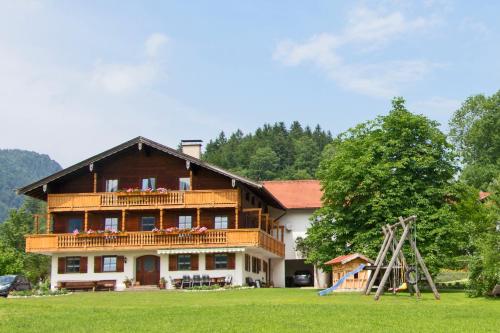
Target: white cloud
(124,78)
(155,43)
(436,106)
(365,29)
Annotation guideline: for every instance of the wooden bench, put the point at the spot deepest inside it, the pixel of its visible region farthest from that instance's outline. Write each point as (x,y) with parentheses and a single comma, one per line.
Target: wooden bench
(88,285)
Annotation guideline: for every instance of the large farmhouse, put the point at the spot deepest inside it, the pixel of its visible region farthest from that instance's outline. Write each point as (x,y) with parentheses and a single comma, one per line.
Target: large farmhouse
(142,211)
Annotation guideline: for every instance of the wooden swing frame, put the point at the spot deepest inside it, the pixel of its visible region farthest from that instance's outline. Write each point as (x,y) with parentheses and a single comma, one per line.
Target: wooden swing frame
(389,243)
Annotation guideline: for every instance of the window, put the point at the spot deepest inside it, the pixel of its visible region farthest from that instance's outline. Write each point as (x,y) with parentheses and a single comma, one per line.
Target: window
(355,276)
(73,265)
(184,262)
(184,184)
(111,223)
(147,223)
(75,224)
(148,184)
(255,265)
(109,264)
(247,263)
(221,222)
(221,261)
(185,222)
(111,185)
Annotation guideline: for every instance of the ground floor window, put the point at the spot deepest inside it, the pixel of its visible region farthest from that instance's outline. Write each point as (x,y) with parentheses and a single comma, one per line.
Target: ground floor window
(73,265)
(184,262)
(221,261)
(255,265)
(109,264)
(248,264)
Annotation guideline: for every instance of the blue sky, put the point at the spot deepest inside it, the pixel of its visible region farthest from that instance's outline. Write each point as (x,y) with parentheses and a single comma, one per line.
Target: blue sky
(77,77)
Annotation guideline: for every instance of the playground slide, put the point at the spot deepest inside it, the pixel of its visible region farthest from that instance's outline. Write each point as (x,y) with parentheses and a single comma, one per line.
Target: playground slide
(341,280)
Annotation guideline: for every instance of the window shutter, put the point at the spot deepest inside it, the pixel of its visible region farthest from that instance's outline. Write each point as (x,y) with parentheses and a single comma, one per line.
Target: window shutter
(172,262)
(194,262)
(61,265)
(209,261)
(83,264)
(120,263)
(97,264)
(231,260)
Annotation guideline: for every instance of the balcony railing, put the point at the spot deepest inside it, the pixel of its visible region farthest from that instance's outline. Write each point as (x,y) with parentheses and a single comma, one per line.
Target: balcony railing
(142,200)
(151,240)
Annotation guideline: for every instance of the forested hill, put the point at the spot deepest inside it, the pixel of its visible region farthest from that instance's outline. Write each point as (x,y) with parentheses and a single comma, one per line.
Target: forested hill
(272,152)
(19,168)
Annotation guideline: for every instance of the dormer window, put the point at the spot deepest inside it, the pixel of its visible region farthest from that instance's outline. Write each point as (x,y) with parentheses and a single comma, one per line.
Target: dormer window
(148,184)
(111,185)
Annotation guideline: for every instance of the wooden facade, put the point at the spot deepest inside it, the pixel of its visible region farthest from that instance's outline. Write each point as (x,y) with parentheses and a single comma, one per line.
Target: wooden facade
(81,194)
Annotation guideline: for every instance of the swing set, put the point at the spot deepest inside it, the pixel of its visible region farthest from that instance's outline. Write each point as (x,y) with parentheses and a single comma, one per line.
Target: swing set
(404,276)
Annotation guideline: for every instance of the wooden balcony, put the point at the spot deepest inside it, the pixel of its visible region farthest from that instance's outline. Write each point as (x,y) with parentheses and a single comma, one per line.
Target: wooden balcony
(141,200)
(50,243)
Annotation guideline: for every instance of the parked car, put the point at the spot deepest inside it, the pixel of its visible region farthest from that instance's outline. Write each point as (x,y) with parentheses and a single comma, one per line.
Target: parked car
(302,278)
(10,283)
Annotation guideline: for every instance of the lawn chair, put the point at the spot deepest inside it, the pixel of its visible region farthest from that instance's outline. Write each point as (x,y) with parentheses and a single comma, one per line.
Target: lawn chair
(249,281)
(186,281)
(196,280)
(228,280)
(205,280)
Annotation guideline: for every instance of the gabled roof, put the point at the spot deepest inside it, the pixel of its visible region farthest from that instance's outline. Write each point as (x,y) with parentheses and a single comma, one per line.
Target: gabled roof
(28,189)
(296,194)
(347,258)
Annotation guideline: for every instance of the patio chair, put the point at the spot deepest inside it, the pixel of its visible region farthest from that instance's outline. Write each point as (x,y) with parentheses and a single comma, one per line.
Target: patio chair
(249,281)
(205,280)
(186,281)
(228,280)
(196,280)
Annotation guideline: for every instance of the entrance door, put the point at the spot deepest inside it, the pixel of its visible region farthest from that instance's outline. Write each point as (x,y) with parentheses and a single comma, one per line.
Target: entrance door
(148,270)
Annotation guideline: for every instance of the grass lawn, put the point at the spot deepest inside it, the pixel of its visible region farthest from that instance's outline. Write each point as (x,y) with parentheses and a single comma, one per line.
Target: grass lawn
(259,310)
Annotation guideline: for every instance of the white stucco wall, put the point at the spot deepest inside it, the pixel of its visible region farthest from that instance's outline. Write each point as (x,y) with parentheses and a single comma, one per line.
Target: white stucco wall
(238,274)
(298,221)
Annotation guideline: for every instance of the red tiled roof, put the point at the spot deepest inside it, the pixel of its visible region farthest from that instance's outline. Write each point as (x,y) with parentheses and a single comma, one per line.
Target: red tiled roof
(346,258)
(483,195)
(296,193)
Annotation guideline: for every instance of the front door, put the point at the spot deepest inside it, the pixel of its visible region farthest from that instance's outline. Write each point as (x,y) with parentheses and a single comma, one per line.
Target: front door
(148,270)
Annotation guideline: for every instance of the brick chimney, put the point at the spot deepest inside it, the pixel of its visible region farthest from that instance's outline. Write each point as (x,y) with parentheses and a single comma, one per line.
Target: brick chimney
(192,147)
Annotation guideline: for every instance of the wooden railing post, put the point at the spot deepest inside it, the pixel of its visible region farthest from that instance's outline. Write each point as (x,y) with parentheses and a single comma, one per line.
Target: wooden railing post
(86,220)
(236,218)
(161,218)
(47,223)
(124,215)
(198,217)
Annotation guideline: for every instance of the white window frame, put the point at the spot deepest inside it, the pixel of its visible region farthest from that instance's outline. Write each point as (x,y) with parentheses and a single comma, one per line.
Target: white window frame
(184,266)
(221,222)
(112,221)
(111,185)
(222,264)
(185,222)
(184,184)
(109,263)
(149,182)
(75,267)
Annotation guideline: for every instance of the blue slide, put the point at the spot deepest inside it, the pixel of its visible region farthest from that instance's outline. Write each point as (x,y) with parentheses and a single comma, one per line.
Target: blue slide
(341,280)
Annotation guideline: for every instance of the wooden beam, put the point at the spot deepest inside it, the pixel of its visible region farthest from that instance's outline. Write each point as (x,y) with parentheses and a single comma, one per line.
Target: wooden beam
(392,262)
(373,277)
(236,218)
(95,182)
(191,179)
(124,215)
(198,217)
(161,218)
(36,218)
(86,221)
(47,223)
